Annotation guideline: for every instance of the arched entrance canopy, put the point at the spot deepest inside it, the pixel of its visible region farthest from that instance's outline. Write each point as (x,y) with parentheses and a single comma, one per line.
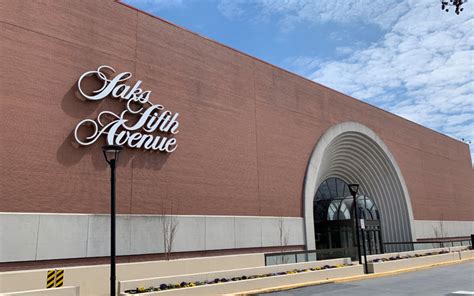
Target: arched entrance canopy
(356,154)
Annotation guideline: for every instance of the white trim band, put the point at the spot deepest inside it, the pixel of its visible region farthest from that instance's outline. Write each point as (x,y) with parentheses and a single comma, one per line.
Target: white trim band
(45,236)
(439,228)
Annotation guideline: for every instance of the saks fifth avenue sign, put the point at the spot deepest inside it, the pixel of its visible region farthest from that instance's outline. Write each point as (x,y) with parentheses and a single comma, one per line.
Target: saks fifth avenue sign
(141,125)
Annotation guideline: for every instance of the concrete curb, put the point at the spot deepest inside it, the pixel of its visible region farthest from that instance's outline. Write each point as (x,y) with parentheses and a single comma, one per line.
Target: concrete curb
(349,279)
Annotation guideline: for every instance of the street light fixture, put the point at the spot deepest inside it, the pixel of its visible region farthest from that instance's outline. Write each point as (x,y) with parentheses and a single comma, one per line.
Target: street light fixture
(111,154)
(353,188)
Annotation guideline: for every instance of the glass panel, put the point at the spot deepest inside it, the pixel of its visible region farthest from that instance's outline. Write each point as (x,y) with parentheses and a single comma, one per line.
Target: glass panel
(346,191)
(368,203)
(369,206)
(344,213)
(332,187)
(335,239)
(320,210)
(323,241)
(340,187)
(274,259)
(373,242)
(306,257)
(350,239)
(324,190)
(312,256)
(318,195)
(348,203)
(346,240)
(333,210)
(286,259)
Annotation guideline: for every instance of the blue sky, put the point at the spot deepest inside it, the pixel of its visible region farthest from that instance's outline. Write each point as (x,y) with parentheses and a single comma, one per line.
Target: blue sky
(407,57)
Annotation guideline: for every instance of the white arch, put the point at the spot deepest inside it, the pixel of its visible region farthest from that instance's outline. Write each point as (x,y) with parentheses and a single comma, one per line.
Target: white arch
(355,153)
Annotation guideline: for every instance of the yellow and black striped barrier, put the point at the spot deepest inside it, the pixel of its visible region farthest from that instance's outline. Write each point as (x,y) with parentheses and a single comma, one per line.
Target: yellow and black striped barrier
(59,277)
(54,278)
(50,277)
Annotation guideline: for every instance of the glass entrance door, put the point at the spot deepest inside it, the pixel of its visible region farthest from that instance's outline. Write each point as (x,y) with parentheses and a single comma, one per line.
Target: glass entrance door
(334,224)
(373,243)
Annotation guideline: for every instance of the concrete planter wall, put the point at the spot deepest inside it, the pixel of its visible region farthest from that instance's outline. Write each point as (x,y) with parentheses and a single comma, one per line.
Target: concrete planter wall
(230,273)
(94,279)
(459,248)
(263,283)
(411,262)
(409,253)
(417,252)
(466,254)
(64,291)
(236,272)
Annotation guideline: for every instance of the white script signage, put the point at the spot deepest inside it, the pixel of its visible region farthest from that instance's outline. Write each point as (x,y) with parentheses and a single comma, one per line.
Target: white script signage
(141,125)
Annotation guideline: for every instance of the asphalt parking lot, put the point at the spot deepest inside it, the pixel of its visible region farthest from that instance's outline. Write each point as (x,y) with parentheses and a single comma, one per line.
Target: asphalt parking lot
(434,281)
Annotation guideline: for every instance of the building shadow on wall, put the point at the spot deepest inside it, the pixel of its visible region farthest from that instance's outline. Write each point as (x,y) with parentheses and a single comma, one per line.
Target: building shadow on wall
(148,160)
(70,154)
(76,108)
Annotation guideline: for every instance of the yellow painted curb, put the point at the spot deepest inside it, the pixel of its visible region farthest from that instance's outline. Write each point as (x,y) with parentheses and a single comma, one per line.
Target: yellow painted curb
(348,279)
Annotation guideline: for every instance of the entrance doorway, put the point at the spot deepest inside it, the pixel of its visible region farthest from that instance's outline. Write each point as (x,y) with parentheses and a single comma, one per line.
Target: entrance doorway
(334,224)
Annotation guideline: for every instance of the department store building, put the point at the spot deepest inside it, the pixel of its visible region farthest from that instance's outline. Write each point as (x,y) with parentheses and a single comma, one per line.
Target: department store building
(244,156)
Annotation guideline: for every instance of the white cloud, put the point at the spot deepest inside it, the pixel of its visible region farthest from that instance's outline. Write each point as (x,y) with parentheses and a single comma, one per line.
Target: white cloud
(380,12)
(231,8)
(344,50)
(427,59)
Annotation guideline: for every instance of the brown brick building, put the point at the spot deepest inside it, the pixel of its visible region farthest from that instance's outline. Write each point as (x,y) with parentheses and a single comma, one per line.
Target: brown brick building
(254,144)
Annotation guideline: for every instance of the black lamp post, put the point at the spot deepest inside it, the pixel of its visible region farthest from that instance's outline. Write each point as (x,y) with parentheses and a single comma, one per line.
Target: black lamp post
(353,188)
(362,231)
(111,154)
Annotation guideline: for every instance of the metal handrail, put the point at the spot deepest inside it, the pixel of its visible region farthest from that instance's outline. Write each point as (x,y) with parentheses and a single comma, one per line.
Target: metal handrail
(442,243)
(441,240)
(434,243)
(286,254)
(289,253)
